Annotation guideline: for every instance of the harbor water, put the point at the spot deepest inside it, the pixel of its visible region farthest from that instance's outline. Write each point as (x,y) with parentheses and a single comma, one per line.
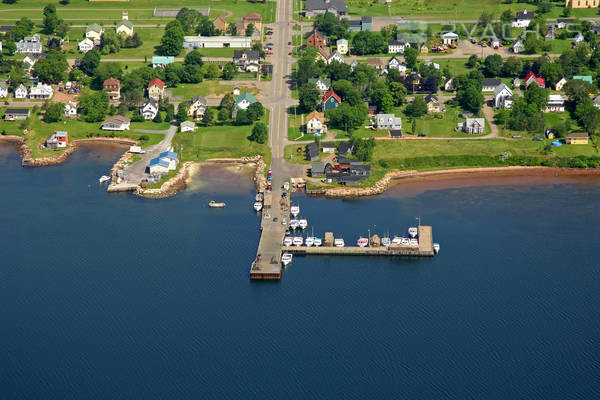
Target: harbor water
(118,297)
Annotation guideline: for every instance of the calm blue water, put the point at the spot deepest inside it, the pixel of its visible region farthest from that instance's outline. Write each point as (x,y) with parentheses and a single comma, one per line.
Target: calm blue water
(116,297)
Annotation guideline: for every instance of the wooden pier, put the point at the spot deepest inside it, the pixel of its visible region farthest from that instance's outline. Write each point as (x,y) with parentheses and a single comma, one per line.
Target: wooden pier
(424,249)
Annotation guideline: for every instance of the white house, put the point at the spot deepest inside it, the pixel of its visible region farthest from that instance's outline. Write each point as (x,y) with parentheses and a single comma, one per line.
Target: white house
(158,167)
(149,109)
(397,46)
(578,38)
(502,96)
(94,32)
(473,125)
(125,28)
(196,42)
(3,90)
(315,123)
(522,19)
(434,65)
(169,157)
(21,92)
(116,123)
(29,62)
(449,85)
(85,45)
(322,84)
(41,92)
(494,43)
(71,109)
(559,85)
(335,57)
(394,63)
(342,46)
(388,121)
(556,103)
(518,47)
(0,46)
(197,108)
(244,101)
(187,126)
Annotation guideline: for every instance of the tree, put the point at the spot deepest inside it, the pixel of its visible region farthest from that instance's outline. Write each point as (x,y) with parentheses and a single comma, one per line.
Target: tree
(347,92)
(16,77)
(512,67)
(170,113)
(110,42)
(577,90)
(493,65)
(51,69)
(241,118)
(194,57)
(258,46)
(417,108)
(250,30)
(51,20)
(486,18)
(209,117)
(132,41)
(310,97)
(535,95)
(224,114)
(337,71)
(213,71)
(470,98)
(172,40)
(206,27)
(9,48)
(410,56)
(363,148)
(472,61)
(383,100)
(506,17)
(54,112)
(188,19)
(367,42)
(326,23)
(182,112)
(90,62)
(227,103)
(229,71)
(9,1)
(158,118)
(552,72)
(398,92)
(255,111)
(94,105)
(260,133)
(347,117)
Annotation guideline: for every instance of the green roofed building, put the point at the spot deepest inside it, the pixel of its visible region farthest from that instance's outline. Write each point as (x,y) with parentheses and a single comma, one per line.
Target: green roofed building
(244,101)
(587,78)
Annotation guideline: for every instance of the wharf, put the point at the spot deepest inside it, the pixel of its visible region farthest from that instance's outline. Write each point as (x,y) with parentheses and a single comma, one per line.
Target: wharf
(425,248)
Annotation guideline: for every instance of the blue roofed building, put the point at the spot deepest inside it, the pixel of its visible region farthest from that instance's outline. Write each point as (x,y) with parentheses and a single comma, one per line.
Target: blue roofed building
(162,61)
(169,157)
(158,166)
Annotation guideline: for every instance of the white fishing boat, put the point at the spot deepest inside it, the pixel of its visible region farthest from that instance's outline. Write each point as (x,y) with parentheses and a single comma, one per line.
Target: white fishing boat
(294,224)
(287,241)
(258,206)
(413,231)
(104,178)
(397,240)
(302,223)
(386,241)
(295,210)
(309,241)
(286,258)
(259,197)
(362,242)
(318,242)
(436,247)
(214,204)
(404,241)
(338,242)
(414,242)
(298,241)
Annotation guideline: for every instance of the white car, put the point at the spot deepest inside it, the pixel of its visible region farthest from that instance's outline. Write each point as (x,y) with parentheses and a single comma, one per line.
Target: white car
(283,221)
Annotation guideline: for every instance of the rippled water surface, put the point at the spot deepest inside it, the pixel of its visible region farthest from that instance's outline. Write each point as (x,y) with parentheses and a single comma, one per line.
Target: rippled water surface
(116,297)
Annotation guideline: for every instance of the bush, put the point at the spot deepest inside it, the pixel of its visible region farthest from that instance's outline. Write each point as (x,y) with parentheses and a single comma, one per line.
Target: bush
(384,164)
(144,138)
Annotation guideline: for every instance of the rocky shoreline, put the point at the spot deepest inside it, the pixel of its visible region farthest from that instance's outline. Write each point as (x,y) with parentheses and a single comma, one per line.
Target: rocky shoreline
(190,168)
(28,161)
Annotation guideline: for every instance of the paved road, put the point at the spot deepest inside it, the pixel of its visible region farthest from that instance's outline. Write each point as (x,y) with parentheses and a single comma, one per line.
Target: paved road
(137,171)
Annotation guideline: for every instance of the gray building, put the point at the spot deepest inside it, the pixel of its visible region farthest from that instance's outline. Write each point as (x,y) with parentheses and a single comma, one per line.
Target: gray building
(316,7)
(29,45)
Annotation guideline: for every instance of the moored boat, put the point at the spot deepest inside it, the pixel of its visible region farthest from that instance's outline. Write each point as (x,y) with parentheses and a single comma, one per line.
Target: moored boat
(298,241)
(259,197)
(104,178)
(295,210)
(318,242)
(404,241)
(386,241)
(309,241)
(436,247)
(362,242)
(287,241)
(286,258)
(397,240)
(339,242)
(413,231)
(302,223)
(258,206)
(214,204)
(294,224)
(414,242)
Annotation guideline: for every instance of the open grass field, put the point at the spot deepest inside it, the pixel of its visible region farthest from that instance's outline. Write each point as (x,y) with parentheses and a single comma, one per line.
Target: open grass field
(38,131)
(220,141)
(140,11)
(208,87)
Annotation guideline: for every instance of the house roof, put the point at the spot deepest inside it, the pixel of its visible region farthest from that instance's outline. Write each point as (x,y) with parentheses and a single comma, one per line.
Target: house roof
(17,111)
(250,54)
(117,119)
(93,28)
(112,82)
(351,161)
(556,99)
(330,94)
(126,23)
(431,98)
(156,82)
(151,102)
(396,132)
(596,100)
(325,81)
(189,124)
(312,149)
(587,78)
(449,35)
(163,59)
(168,154)
(478,121)
(313,5)
(577,135)
(245,96)
(317,166)
(60,134)
(253,17)
(315,114)
(200,99)
(525,15)
(500,88)
(329,145)
(314,32)
(220,19)
(490,82)
(158,161)
(344,147)
(540,81)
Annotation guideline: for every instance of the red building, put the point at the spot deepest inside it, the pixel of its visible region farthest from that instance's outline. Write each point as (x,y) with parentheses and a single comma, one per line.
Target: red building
(315,39)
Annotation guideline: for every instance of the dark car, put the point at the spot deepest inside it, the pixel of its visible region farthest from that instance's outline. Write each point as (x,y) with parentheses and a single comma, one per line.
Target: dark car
(275,219)
(284,195)
(289,43)
(537,139)
(421,134)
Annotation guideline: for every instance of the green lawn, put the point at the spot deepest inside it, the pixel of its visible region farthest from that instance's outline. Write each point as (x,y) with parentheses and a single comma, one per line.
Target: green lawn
(208,87)
(220,141)
(77,129)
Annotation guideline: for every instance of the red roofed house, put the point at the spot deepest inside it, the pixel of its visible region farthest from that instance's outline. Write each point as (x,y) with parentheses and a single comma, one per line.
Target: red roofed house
(531,78)
(330,100)
(156,89)
(113,87)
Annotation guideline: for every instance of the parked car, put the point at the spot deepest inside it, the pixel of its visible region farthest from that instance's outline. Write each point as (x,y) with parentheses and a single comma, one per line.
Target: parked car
(537,139)
(421,134)
(516,136)
(290,53)
(289,43)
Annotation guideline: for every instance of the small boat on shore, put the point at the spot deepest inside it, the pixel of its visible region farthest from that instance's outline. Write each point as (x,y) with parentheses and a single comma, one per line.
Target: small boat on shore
(258,206)
(302,223)
(286,258)
(413,231)
(298,241)
(287,241)
(436,247)
(104,178)
(339,242)
(214,204)
(362,242)
(295,210)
